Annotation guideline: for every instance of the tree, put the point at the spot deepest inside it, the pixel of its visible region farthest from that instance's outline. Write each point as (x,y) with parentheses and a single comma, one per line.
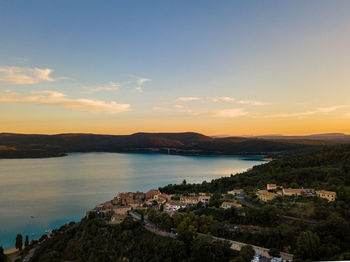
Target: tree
(2,255)
(19,241)
(274,252)
(308,244)
(247,253)
(26,242)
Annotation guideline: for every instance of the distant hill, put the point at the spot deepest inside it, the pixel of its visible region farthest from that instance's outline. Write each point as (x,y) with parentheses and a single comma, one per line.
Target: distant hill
(328,137)
(32,145)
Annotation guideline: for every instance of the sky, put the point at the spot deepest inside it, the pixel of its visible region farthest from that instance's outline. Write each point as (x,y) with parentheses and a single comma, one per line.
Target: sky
(215,67)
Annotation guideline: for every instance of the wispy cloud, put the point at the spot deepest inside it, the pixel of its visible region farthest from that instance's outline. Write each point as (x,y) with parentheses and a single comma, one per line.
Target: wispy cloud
(24,75)
(60,99)
(330,108)
(142,80)
(139,89)
(252,102)
(187,99)
(223,99)
(320,110)
(237,112)
(111,86)
(230,113)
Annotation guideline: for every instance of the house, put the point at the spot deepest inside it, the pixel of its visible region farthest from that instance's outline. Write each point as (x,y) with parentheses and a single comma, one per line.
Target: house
(118,218)
(139,195)
(162,199)
(99,208)
(292,191)
(235,192)
(310,191)
(329,195)
(271,187)
(124,198)
(226,205)
(152,194)
(172,205)
(107,206)
(121,210)
(189,200)
(204,199)
(129,198)
(265,195)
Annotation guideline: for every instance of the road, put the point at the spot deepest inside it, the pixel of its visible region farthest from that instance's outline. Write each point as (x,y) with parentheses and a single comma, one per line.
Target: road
(234,244)
(30,254)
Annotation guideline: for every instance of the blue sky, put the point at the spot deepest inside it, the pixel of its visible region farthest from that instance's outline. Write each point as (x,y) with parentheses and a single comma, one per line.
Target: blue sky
(278,66)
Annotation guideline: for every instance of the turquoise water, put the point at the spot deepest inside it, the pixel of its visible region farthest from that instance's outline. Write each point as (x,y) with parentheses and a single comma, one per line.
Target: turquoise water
(41,194)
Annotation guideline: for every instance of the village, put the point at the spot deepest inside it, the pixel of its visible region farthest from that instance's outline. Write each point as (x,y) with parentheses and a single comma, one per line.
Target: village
(117,209)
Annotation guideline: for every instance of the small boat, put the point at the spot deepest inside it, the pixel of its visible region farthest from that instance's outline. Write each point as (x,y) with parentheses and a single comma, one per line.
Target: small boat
(49,231)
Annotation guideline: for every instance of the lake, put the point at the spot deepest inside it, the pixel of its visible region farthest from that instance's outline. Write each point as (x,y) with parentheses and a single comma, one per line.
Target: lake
(41,194)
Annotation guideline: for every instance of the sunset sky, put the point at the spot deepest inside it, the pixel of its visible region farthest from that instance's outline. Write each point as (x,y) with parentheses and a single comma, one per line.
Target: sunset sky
(214,67)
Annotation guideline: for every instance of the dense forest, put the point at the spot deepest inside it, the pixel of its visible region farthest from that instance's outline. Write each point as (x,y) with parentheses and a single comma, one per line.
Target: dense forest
(21,146)
(94,240)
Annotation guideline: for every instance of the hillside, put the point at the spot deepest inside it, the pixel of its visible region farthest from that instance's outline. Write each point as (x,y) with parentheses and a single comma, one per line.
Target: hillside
(327,169)
(23,145)
(94,240)
(329,138)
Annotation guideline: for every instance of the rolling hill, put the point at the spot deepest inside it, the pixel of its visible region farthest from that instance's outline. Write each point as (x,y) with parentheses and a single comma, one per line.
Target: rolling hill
(32,145)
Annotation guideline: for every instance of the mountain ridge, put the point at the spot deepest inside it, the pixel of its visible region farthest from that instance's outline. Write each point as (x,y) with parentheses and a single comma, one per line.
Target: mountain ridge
(41,145)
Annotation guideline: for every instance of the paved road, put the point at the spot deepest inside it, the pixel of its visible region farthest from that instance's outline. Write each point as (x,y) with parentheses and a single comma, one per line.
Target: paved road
(30,254)
(234,244)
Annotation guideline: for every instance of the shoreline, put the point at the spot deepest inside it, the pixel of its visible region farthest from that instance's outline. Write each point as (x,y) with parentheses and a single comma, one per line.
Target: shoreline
(262,156)
(10,251)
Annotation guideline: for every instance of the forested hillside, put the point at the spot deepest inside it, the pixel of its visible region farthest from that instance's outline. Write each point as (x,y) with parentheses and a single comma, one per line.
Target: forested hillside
(94,240)
(19,145)
(328,169)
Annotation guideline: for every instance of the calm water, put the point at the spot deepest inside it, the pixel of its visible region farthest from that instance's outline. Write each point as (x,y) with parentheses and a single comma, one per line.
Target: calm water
(41,194)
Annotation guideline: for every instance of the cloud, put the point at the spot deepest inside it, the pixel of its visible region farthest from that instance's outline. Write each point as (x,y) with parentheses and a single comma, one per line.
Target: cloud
(231,113)
(24,75)
(187,99)
(330,108)
(139,89)
(111,86)
(60,99)
(320,110)
(142,80)
(252,102)
(223,99)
